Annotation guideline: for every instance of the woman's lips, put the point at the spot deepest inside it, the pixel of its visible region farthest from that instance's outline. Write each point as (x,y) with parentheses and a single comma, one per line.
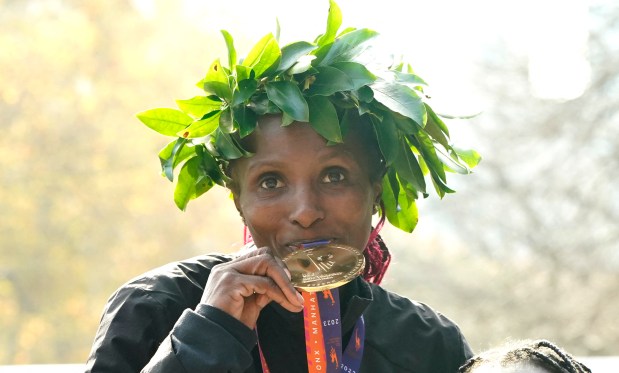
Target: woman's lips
(305,244)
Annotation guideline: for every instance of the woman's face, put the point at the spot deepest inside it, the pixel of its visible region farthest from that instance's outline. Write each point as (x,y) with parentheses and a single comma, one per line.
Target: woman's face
(297,189)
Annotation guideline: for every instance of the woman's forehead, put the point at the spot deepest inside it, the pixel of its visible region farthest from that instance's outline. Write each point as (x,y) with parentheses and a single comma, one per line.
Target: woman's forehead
(299,147)
(270,135)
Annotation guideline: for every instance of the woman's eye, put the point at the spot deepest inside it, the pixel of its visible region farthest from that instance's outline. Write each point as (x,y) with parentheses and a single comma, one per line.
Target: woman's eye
(333,177)
(271,183)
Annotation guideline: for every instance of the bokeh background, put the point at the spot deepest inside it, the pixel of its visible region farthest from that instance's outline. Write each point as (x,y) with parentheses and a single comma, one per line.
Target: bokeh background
(528,247)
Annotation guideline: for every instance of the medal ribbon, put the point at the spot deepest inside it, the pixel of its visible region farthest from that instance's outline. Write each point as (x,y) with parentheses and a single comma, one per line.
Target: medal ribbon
(323,336)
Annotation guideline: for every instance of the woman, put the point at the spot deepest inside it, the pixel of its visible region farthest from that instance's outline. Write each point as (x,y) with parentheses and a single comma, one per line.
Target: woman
(306,163)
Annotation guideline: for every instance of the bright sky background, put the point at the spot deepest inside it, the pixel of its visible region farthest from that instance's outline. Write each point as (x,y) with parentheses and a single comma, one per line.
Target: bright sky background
(441,38)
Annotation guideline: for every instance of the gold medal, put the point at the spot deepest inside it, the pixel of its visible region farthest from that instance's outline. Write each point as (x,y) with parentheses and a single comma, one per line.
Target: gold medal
(323,267)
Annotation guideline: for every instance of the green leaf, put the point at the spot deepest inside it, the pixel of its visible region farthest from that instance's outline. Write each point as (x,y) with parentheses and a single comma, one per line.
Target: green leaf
(401,211)
(433,129)
(394,184)
(247,88)
(286,120)
(405,124)
(424,166)
(216,82)
(198,106)
(437,120)
(328,81)
(400,99)
(425,145)
(469,156)
(390,199)
(358,74)
(407,214)
(334,21)
(226,145)
(345,48)
(210,166)
(303,64)
(246,120)
(365,94)
(292,52)
(173,154)
(225,121)
(460,116)
(216,73)
(346,31)
(437,171)
(408,168)
(410,79)
(261,104)
(231,49)
(387,135)
(440,187)
(244,72)
(349,119)
(192,183)
(451,162)
(264,56)
(287,96)
(201,127)
(166,121)
(323,118)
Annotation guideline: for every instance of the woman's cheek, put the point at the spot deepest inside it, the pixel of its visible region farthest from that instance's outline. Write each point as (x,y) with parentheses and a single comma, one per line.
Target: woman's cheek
(261,221)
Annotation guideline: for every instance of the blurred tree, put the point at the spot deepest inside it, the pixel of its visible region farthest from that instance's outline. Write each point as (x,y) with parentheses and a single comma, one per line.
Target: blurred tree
(79,213)
(537,252)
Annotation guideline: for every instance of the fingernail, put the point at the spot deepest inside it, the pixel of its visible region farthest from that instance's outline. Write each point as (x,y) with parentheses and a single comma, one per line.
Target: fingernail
(300,298)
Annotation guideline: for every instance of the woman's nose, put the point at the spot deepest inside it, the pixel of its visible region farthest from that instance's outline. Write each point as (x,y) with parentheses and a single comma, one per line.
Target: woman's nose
(306,208)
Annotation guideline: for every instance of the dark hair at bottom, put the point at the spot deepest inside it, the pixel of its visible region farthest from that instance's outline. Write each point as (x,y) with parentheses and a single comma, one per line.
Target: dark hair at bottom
(540,353)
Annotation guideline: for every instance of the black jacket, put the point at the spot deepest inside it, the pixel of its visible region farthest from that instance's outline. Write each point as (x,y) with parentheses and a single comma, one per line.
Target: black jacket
(155,323)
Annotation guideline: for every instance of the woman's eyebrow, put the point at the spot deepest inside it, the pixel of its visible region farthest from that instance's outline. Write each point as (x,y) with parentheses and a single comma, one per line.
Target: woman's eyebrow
(266,163)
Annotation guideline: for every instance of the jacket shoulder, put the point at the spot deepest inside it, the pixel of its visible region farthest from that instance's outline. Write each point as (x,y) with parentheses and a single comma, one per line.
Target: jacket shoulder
(412,335)
(179,282)
(141,313)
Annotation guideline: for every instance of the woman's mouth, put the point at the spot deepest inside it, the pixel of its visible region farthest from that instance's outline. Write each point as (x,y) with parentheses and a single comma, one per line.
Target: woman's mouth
(305,244)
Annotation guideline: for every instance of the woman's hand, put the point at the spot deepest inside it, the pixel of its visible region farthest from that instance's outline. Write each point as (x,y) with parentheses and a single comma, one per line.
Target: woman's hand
(243,286)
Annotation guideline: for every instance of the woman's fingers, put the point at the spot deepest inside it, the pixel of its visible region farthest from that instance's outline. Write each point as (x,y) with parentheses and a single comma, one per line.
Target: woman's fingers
(263,263)
(266,290)
(243,286)
(281,276)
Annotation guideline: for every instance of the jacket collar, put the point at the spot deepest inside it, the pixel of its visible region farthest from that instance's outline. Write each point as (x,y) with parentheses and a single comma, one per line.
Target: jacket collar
(355,297)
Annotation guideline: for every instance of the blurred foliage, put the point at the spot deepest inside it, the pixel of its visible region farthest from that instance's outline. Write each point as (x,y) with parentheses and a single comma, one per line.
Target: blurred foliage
(536,255)
(84,209)
(83,206)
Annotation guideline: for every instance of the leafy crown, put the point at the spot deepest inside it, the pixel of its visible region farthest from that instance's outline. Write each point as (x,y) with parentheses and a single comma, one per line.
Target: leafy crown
(327,83)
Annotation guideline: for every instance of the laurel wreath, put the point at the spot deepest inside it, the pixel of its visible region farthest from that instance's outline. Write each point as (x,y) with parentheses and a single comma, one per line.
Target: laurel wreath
(326,83)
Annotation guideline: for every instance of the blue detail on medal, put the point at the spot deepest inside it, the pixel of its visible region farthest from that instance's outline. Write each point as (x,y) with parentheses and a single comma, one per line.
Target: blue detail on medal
(308,245)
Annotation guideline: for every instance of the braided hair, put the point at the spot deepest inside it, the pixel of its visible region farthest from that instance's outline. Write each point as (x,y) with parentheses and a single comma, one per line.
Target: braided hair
(540,353)
(377,256)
